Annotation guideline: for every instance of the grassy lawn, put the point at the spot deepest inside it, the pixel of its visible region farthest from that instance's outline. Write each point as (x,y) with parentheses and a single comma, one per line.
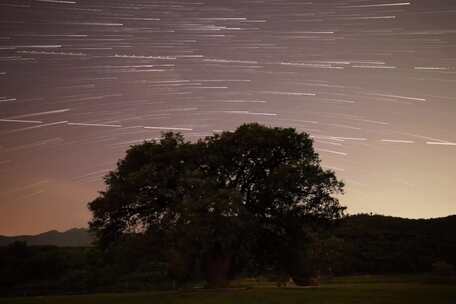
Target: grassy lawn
(365,290)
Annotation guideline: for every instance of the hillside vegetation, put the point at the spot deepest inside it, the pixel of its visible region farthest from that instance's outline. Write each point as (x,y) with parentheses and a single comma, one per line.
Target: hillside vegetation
(359,244)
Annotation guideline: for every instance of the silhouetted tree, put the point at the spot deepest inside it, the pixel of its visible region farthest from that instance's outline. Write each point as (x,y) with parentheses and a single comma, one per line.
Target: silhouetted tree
(249,194)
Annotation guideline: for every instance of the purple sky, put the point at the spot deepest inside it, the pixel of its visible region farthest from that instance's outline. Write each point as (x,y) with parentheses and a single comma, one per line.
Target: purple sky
(373,81)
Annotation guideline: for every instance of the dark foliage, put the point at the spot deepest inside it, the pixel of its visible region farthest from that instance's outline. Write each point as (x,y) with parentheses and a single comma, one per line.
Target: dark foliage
(38,270)
(379,244)
(252,194)
(360,244)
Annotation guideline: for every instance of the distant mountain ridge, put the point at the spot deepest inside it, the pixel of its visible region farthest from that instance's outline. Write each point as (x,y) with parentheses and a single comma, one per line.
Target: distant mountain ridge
(76,237)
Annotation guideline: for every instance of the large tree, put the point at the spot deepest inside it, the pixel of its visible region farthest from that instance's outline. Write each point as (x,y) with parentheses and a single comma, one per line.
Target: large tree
(248,195)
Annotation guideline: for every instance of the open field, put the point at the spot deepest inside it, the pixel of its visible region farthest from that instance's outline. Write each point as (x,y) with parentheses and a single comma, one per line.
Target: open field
(348,290)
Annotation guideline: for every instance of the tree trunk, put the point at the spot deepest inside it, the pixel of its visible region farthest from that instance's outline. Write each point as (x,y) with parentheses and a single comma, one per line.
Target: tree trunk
(217,270)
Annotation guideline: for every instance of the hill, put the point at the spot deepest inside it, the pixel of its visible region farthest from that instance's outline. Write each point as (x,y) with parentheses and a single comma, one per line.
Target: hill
(76,237)
(384,244)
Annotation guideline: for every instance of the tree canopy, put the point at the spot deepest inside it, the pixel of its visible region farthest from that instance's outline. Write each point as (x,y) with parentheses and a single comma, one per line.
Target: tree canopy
(247,195)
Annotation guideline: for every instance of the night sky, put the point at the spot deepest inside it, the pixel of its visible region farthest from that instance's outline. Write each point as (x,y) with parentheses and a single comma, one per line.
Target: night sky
(373,81)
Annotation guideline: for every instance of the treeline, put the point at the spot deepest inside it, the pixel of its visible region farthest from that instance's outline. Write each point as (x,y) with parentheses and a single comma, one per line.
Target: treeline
(375,244)
(45,270)
(359,244)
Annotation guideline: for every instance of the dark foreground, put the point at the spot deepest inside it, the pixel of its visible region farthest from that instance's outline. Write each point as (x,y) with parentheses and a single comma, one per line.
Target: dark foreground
(353,290)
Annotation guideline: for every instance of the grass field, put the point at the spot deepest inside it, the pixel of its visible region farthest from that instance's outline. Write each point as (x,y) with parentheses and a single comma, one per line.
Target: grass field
(365,290)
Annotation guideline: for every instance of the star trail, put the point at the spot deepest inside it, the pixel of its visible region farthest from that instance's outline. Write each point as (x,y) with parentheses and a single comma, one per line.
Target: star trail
(372,81)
